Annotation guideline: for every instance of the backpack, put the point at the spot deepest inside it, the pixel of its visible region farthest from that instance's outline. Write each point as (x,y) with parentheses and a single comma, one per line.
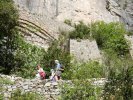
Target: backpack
(62,68)
(42,74)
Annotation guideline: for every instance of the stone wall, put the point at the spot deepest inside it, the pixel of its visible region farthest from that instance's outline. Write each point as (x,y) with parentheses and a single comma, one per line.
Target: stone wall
(85,50)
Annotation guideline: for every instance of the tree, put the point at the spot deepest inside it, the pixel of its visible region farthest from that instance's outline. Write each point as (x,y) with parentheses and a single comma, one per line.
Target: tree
(8,34)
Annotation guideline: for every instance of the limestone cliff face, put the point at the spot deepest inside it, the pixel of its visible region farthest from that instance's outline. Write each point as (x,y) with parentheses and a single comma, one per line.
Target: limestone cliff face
(123,9)
(86,10)
(39,7)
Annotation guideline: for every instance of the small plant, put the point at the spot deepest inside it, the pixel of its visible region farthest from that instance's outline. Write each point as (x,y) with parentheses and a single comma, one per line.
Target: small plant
(81,31)
(1,95)
(6,81)
(130,33)
(18,95)
(68,22)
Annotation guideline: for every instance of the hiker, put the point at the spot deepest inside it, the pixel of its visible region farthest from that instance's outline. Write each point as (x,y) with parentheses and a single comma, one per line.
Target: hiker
(52,77)
(40,72)
(58,70)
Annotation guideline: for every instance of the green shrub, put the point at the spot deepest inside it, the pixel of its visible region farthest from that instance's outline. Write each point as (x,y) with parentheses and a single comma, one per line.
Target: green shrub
(130,33)
(118,44)
(1,95)
(119,85)
(119,72)
(81,31)
(110,36)
(80,90)
(6,81)
(68,22)
(18,95)
(85,71)
(27,57)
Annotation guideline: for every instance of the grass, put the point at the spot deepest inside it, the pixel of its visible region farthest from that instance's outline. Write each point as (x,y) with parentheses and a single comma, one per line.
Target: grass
(6,81)
(18,95)
(1,95)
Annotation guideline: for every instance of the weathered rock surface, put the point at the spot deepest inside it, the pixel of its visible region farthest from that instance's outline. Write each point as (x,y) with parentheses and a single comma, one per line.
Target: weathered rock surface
(85,50)
(123,9)
(38,27)
(86,10)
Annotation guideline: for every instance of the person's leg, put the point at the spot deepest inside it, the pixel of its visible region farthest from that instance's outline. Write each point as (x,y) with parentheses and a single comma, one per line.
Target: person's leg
(56,78)
(38,75)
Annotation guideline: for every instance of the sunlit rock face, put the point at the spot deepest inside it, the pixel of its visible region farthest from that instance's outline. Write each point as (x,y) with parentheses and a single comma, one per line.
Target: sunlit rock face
(39,7)
(123,9)
(85,10)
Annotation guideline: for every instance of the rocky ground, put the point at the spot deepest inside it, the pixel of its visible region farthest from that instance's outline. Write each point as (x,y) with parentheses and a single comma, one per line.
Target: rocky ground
(50,90)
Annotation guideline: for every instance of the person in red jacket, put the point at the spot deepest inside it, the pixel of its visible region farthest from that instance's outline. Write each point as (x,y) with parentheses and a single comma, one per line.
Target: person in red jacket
(40,72)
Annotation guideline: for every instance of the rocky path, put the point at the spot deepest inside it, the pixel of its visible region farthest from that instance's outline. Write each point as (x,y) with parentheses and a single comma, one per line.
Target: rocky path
(50,90)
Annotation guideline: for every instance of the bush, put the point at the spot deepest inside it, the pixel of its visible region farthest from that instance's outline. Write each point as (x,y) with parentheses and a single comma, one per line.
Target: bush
(119,85)
(68,22)
(18,95)
(110,36)
(6,81)
(1,95)
(27,57)
(118,44)
(82,90)
(119,71)
(85,71)
(81,31)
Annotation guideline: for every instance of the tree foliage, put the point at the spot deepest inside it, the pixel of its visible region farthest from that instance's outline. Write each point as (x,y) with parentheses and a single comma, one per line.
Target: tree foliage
(8,34)
(110,36)
(81,31)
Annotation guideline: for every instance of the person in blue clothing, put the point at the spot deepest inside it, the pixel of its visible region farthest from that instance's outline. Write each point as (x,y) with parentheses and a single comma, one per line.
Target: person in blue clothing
(57,70)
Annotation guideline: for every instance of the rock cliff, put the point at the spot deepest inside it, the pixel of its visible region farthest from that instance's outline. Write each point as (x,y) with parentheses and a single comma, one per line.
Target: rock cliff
(86,10)
(123,9)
